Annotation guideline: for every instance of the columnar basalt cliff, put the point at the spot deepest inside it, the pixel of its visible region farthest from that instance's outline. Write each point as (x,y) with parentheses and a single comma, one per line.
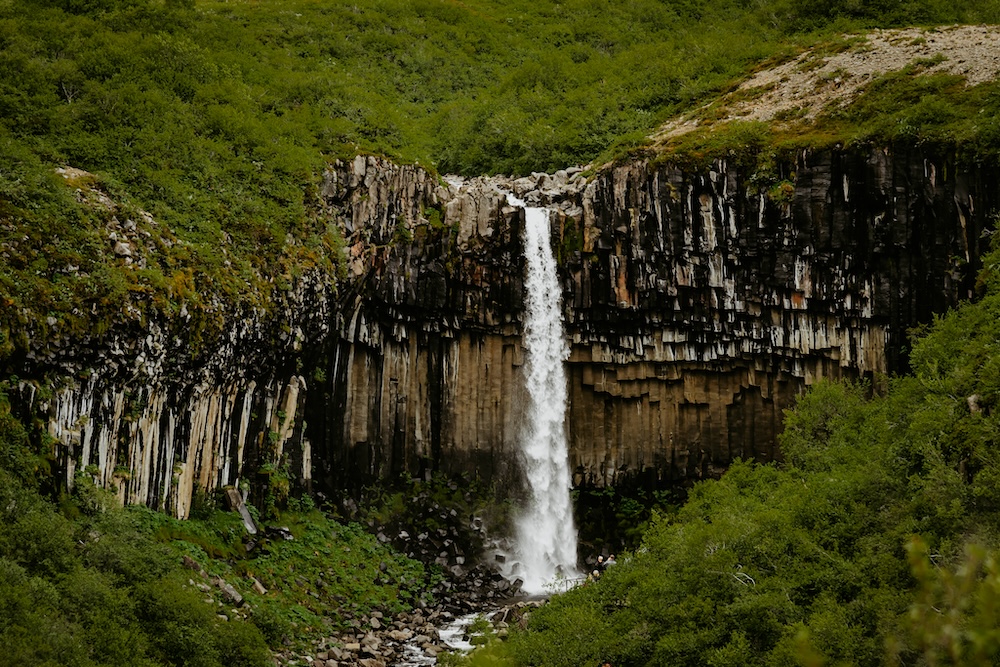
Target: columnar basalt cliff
(698,303)
(424,373)
(702,304)
(146,412)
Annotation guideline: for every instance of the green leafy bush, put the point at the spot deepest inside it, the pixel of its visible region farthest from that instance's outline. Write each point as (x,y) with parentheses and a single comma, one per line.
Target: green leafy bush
(97,589)
(183,630)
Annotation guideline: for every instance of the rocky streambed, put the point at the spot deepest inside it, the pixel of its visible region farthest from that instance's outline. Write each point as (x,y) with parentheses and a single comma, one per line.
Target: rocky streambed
(439,526)
(439,622)
(408,639)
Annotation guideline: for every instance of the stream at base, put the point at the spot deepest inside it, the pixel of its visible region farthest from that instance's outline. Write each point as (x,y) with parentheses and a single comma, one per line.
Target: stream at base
(452,636)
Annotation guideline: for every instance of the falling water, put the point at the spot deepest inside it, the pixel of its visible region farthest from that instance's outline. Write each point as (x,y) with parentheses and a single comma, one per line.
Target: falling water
(546,536)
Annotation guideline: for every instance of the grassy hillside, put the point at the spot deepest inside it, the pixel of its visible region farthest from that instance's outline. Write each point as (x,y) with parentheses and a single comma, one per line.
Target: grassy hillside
(84,582)
(217,117)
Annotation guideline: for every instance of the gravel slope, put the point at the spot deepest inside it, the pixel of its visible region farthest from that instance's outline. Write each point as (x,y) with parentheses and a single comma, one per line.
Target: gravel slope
(810,83)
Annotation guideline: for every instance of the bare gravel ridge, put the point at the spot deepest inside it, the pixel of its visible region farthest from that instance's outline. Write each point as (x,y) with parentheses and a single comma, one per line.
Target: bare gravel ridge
(814,81)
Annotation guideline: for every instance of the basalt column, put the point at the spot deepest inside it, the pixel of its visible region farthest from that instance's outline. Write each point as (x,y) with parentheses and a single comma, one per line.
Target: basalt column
(700,304)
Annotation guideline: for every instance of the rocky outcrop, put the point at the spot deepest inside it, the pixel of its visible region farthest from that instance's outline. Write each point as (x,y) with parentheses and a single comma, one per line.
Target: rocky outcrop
(703,304)
(147,413)
(698,304)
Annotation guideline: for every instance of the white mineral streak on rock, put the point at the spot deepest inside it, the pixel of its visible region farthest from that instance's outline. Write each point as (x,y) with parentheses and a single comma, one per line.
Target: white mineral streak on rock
(130,436)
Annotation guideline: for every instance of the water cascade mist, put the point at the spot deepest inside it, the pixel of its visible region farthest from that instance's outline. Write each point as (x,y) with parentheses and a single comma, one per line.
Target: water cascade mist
(546,535)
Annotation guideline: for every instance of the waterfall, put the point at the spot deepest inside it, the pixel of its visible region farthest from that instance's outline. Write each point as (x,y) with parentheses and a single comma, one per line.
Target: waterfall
(546,536)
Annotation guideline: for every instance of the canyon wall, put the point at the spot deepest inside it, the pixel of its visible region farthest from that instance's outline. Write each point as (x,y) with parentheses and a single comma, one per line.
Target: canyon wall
(698,305)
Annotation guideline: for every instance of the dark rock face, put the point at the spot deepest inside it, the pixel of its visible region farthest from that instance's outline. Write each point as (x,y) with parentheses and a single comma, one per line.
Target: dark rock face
(697,306)
(700,307)
(145,411)
(421,374)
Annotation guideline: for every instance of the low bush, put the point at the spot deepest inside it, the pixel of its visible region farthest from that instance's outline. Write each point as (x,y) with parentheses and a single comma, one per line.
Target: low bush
(108,586)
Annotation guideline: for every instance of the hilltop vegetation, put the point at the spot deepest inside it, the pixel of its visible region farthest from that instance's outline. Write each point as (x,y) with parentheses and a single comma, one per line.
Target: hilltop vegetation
(217,118)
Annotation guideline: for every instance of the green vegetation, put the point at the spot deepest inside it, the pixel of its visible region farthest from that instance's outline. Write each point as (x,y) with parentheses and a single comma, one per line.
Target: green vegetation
(203,128)
(928,109)
(609,521)
(85,582)
(218,118)
(908,106)
(876,542)
(327,574)
(98,590)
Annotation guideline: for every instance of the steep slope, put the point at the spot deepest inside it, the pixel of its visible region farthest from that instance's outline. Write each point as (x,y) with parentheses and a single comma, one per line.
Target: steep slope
(823,79)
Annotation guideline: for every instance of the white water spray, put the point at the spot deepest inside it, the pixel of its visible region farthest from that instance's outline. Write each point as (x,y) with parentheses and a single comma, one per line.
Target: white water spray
(546,536)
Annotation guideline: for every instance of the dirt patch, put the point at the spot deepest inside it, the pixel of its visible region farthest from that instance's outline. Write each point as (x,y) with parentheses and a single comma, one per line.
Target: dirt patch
(813,82)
